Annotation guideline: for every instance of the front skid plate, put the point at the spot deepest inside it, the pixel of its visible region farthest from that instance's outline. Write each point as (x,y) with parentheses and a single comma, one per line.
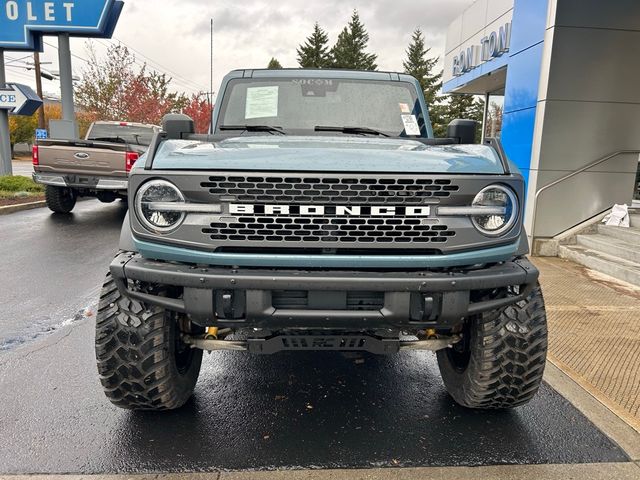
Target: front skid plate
(340,343)
(363,343)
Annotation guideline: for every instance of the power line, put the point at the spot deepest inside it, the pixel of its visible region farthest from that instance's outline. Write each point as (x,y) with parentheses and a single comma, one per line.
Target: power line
(72,54)
(162,67)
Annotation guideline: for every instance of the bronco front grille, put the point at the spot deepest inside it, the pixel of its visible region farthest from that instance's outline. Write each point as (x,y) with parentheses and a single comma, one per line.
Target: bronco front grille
(329,228)
(327,190)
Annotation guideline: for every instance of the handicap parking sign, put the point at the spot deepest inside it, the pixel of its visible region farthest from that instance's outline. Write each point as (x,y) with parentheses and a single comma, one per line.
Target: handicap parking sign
(41,134)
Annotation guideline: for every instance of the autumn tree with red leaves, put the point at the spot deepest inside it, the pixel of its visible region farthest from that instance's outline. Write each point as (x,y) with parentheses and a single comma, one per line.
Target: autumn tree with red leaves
(199,109)
(112,89)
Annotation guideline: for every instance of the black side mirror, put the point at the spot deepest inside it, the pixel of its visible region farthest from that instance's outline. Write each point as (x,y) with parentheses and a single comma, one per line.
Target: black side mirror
(464,131)
(177,126)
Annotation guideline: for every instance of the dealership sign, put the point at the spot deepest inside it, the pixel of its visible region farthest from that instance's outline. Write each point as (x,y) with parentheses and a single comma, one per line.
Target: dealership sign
(23,22)
(490,47)
(19,99)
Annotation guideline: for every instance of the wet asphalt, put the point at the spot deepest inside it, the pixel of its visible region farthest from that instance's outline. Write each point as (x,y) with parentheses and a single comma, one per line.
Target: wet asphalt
(290,410)
(52,265)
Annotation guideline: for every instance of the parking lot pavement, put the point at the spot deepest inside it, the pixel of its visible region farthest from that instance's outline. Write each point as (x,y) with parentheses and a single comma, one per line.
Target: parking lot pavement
(291,410)
(52,265)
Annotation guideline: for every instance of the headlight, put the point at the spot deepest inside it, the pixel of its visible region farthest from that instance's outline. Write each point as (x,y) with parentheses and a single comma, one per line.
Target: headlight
(153,206)
(501,206)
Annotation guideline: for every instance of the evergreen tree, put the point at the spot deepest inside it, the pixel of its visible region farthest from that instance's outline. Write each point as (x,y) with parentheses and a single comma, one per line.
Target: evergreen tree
(349,50)
(314,53)
(419,65)
(274,64)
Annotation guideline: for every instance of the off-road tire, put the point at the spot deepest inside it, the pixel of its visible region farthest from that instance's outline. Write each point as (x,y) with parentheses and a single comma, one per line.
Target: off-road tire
(500,362)
(136,350)
(60,199)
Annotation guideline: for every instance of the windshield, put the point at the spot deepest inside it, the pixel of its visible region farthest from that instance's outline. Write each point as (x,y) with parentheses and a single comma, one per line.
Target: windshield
(318,106)
(111,132)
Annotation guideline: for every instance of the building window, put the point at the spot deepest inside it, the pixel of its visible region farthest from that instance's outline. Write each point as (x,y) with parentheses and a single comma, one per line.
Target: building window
(493,115)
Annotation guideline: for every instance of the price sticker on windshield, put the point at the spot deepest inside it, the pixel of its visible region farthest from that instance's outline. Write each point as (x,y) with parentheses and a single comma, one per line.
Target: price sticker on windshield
(410,125)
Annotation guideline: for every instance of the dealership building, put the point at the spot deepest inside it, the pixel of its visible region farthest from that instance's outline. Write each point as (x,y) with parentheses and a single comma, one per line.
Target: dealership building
(561,82)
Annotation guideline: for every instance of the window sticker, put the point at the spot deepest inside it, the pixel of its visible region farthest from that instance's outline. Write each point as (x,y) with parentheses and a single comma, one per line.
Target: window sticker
(262,102)
(410,125)
(404,108)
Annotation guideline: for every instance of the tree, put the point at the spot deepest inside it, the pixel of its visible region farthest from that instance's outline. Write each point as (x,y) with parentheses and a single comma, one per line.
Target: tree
(419,65)
(148,99)
(314,53)
(494,120)
(22,129)
(350,48)
(274,64)
(111,89)
(199,109)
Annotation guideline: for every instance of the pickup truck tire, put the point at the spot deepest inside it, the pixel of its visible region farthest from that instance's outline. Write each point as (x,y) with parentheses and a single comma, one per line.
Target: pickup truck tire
(142,363)
(500,361)
(60,199)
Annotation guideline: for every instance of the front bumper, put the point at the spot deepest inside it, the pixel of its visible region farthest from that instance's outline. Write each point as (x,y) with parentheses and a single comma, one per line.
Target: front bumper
(244,297)
(81,181)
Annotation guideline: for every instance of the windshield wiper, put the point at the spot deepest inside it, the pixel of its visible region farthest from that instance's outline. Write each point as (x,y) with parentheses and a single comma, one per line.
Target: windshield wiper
(253,128)
(362,130)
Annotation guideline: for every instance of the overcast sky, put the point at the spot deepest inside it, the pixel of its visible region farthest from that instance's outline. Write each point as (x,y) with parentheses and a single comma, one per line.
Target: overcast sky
(175,35)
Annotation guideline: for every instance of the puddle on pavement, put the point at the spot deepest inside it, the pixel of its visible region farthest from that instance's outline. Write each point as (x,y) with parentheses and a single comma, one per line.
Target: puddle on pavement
(43,328)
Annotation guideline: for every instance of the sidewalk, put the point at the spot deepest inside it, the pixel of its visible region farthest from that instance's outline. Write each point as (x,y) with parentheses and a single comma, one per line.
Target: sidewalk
(22,167)
(594,333)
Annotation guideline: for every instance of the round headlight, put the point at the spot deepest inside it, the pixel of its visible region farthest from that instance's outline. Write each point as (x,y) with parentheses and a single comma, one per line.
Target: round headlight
(153,206)
(501,206)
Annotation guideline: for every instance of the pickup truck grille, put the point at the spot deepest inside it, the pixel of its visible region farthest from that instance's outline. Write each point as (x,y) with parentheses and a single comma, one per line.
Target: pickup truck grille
(326,190)
(329,228)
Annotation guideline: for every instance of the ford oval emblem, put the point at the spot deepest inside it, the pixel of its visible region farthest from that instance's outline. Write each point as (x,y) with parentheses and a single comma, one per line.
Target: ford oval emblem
(81,155)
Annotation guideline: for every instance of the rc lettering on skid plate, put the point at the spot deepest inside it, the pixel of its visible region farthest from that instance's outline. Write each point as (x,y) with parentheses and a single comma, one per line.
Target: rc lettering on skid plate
(321,210)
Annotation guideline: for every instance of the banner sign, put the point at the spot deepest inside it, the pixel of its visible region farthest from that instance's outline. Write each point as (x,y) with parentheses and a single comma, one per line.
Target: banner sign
(23,22)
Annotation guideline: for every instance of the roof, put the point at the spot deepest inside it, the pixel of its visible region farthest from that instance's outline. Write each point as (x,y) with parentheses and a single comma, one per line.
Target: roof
(322,73)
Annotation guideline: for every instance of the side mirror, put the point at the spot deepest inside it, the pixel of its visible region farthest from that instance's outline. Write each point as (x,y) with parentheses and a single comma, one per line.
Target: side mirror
(177,126)
(464,131)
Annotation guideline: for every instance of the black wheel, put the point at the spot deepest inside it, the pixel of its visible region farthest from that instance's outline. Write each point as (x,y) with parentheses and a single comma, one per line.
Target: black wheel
(60,199)
(142,362)
(106,197)
(500,361)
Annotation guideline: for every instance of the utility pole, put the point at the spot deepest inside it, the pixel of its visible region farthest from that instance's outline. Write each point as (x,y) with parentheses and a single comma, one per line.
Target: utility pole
(5,139)
(36,61)
(211,81)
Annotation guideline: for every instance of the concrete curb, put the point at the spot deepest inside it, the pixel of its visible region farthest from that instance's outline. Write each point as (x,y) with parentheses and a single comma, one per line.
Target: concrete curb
(21,207)
(592,471)
(602,417)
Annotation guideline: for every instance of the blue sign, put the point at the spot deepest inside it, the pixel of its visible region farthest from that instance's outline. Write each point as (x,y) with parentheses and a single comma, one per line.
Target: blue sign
(19,99)
(41,134)
(23,22)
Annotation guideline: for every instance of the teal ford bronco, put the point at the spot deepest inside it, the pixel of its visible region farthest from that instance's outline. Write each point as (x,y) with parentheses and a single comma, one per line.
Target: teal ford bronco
(320,213)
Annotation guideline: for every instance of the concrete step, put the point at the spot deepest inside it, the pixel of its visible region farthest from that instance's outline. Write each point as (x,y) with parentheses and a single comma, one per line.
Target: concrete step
(610,246)
(629,235)
(613,266)
(634,220)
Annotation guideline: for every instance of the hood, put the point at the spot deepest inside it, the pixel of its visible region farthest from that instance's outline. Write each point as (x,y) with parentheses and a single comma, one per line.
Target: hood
(326,154)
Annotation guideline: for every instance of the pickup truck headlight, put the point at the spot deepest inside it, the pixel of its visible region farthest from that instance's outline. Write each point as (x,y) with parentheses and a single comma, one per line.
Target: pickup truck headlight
(502,204)
(153,204)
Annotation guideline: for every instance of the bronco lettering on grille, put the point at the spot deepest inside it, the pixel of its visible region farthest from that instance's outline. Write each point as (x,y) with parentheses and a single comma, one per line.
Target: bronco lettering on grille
(338,210)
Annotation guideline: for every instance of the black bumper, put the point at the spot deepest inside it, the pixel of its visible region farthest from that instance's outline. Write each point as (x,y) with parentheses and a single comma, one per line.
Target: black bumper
(244,297)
